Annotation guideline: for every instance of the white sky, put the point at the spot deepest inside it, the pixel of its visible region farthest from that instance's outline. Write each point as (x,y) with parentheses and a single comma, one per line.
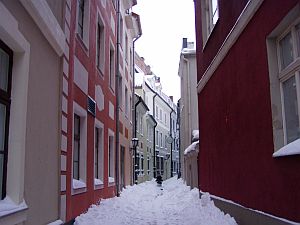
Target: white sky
(164,24)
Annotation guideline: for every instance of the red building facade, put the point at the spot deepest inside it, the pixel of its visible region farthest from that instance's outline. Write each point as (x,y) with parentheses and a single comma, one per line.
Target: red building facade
(88,123)
(247,56)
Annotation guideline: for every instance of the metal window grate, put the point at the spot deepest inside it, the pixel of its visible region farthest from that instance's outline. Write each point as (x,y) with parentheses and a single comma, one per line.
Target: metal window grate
(91,106)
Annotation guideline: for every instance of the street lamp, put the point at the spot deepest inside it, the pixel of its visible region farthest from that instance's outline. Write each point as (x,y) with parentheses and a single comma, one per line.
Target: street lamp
(135,142)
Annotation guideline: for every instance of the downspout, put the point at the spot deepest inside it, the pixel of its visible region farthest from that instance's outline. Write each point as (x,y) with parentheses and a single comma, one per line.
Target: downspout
(154,140)
(133,93)
(179,141)
(189,99)
(134,134)
(172,141)
(117,99)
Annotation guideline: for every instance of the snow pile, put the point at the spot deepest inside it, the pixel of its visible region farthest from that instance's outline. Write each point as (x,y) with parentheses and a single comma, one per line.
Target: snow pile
(292,148)
(146,203)
(195,135)
(194,147)
(57,222)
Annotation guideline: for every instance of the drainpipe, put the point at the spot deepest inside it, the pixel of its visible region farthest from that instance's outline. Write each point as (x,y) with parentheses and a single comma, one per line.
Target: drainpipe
(133,107)
(179,142)
(117,98)
(134,148)
(172,141)
(154,150)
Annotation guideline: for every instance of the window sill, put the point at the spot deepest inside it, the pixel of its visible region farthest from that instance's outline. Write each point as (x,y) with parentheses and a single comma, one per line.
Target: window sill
(111,181)
(290,149)
(78,186)
(98,184)
(8,207)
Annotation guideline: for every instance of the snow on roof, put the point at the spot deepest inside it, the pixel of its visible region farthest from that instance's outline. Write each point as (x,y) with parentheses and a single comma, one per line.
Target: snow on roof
(193,148)
(138,79)
(292,148)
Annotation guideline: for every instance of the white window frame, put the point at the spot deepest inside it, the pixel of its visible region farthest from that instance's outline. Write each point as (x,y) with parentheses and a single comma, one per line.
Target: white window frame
(207,19)
(79,186)
(278,75)
(100,63)
(111,161)
(112,67)
(98,182)
(86,22)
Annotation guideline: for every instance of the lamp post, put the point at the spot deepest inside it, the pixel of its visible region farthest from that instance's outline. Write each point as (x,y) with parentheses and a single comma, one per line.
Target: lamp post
(135,142)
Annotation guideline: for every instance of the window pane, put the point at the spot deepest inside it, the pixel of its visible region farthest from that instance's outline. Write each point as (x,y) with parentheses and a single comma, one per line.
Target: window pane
(286,50)
(215,11)
(4,65)
(2,125)
(291,109)
(76,151)
(298,38)
(1,172)
(76,170)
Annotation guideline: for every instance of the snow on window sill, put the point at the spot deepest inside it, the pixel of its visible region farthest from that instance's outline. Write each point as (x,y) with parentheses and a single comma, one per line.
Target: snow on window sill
(7,206)
(292,148)
(57,222)
(111,180)
(78,184)
(98,182)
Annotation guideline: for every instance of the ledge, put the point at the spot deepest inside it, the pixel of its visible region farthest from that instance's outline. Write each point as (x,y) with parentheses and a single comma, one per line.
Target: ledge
(292,148)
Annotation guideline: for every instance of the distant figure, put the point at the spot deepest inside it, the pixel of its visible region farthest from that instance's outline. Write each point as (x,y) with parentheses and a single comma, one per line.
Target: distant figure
(179,175)
(159,180)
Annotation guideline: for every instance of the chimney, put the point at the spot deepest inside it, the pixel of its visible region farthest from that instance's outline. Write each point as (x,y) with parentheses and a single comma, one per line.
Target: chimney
(171,97)
(184,43)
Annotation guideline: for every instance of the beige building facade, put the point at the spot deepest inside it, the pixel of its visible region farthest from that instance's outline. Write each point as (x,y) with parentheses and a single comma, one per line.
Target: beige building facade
(31,35)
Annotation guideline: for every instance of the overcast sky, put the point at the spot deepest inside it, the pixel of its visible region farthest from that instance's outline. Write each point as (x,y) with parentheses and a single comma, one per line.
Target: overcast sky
(164,24)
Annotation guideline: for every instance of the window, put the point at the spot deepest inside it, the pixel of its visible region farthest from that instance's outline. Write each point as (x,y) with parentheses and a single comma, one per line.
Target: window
(120,92)
(126,101)
(98,156)
(156,138)
(161,139)
(142,164)
(141,124)
(162,165)
(156,110)
(138,169)
(288,53)
(210,12)
(112,68)
(126,48)
(83,20)
(111,156)
(165,118)
(121,31)
(160,115)
(5,95)
(76,148)
(80,17)
(284,72)
(148,165)
(165,141)
(100,57)
(79,151)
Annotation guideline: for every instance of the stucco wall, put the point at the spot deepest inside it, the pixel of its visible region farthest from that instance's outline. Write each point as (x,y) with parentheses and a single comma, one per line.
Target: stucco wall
(41,160)
(235,124)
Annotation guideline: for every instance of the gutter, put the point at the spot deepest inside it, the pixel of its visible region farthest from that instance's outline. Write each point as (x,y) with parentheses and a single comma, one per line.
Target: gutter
(117,100)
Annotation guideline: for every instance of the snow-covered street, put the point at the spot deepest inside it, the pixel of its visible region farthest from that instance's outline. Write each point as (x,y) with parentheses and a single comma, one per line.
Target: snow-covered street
(146,203)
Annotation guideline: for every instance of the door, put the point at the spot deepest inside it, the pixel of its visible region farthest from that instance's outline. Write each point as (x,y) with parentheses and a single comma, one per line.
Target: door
(122,167)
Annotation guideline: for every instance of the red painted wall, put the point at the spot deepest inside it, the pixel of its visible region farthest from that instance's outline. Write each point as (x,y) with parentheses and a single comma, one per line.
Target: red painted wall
(79,203)
(235,120)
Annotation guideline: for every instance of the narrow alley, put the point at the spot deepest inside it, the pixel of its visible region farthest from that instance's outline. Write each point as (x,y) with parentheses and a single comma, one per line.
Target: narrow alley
(146,203)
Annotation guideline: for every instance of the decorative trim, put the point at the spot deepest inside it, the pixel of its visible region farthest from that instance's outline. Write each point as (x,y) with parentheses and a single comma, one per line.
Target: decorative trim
(244,18)
(46,21)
